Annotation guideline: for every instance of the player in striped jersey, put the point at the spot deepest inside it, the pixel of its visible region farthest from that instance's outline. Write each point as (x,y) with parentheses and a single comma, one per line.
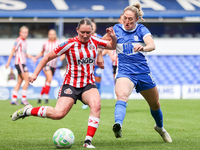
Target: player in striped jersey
(97,70)
(79,81)
(19,49)
(50,67)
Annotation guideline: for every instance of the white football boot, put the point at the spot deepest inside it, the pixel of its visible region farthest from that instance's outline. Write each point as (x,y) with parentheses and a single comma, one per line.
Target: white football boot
(88,144)
(21,113)
(163,133)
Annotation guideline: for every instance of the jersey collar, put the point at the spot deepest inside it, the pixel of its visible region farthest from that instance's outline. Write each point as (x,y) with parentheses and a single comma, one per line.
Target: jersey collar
(130,30)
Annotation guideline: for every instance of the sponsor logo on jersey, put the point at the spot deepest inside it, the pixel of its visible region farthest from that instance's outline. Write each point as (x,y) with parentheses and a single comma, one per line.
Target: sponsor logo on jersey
(68,91)
(85,61)
(128,48)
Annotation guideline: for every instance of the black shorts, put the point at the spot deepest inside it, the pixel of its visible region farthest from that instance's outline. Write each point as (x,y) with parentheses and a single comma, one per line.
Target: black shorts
(46,68)
(76,93)
(114,69)
(21,68)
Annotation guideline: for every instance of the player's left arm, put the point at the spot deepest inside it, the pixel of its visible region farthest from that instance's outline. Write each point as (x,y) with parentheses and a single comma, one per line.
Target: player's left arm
(150,46)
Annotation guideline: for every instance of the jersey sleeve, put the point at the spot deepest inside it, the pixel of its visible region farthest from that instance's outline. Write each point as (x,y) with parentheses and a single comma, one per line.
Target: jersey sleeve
(144,32)
(62,48)
(100,42)
(17,44)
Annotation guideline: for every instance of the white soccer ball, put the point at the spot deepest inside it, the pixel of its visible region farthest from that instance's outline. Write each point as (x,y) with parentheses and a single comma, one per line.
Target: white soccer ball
(63,138)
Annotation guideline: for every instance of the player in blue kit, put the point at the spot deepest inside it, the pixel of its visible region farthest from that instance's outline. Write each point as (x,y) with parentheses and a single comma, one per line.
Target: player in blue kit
(133,41)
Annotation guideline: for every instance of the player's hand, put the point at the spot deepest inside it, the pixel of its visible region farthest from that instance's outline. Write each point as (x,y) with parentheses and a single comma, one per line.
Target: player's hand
(138,48)
(111,32)
(100,61)
(32,78)
(7,65)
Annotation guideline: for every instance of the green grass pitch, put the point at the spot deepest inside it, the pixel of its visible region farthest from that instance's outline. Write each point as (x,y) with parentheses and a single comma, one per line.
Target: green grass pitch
(181,119)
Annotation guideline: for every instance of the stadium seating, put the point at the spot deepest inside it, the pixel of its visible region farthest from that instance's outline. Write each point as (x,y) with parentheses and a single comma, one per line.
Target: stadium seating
(166,70)
(175,69)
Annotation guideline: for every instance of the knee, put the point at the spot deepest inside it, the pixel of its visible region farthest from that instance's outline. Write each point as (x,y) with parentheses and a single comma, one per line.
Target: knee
(122,95)
(95,107)
(155,106)
(59,115)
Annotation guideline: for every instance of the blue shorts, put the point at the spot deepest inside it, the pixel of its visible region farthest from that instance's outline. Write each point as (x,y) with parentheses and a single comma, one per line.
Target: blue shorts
(141,82)
(97,71)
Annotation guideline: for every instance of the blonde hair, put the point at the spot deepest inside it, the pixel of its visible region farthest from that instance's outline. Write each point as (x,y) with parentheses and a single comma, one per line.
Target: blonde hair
(23,27)
(137,9)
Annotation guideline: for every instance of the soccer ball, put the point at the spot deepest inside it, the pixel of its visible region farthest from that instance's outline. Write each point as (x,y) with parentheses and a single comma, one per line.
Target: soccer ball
(63,138)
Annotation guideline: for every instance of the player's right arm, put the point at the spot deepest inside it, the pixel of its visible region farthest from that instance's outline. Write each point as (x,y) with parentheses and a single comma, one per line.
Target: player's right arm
(10,57)
(51,55)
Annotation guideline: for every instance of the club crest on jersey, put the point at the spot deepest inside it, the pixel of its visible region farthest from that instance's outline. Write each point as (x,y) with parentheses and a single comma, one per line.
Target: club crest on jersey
(136,38)
(68,91)
(91,47)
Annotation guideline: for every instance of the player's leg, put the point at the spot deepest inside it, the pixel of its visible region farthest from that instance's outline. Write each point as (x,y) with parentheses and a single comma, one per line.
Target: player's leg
(123,89)
(152,97)
(49,77)
(92,98)
(24,88)
(63,106)
(15,91)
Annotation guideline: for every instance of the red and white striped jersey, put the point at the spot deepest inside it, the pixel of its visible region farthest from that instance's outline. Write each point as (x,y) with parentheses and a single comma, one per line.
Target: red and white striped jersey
(20,47)
(81,59)
(114,63)
(48,47)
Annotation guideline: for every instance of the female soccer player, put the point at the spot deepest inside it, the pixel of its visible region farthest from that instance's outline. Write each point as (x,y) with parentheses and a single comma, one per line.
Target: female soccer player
(50,67)
(20,48)
(79,80)
(97,70)
(133,41)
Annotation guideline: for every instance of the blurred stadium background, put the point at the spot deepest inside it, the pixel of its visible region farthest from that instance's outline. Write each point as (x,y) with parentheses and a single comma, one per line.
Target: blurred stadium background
(174,24)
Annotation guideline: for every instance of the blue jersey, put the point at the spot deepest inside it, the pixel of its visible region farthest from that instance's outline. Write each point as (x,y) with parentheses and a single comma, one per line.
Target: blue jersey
(130,62)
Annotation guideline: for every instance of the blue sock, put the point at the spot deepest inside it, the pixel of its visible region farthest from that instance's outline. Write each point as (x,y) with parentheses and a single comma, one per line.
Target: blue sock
(158,117)
(120,111)
(98,84)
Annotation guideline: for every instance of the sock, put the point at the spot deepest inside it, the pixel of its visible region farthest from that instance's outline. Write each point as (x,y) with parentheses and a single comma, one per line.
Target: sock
(43,90)
(93,123)
(14,96)
(47,89)
(158,117)
(120,111)
(98,84)
(24,95)
(37,111)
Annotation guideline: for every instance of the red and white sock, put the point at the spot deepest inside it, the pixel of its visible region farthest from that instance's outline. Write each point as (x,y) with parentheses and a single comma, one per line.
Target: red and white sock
(14,96)
(24,95)
(37,111)
(93,124)
(42,91)
(47,85)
